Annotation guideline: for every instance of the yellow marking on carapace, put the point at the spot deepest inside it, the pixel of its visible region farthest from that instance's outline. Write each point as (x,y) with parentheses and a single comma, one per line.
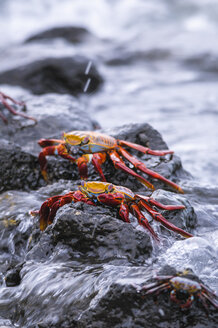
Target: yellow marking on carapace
(72,139)
(184,272)
(95,187)
(188,285)
(76,137)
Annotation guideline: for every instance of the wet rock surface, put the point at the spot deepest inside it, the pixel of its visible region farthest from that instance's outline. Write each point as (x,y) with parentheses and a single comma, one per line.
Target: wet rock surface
(19,170)
(95,234)
(118,308)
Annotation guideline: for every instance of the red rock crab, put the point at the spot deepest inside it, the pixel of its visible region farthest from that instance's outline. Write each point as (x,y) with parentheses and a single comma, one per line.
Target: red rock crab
(183,290)
(98,193)
(83,147)
(3,100)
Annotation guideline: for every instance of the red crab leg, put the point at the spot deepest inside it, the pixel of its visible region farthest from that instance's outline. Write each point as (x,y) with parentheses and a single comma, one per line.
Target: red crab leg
(151,285)
(75,196)
(213,302)
(97,160)
(82,163)
(140,166)
(153,202)
(118,163)
(66,199)
(49,151)
(159,278)
(158,217)
(49,208)
(142,220)
(156,288)
(208,290)
(124,212)
(3,98)
(49,142)
(45,211)
(144,150)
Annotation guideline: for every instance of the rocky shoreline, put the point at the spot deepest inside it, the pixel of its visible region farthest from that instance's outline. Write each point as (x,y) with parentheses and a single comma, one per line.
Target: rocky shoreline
(84,269)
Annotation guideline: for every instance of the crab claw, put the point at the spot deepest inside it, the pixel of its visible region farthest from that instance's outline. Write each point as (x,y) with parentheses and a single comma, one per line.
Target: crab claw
(3,99)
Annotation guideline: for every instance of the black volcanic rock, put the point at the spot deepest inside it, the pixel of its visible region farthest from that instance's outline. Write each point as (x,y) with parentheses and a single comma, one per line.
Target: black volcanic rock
(93,234)
(72,34)
(53,74)
(18,169)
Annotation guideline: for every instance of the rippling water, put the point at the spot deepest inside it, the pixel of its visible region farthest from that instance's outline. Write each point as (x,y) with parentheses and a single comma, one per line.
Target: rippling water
(160,66)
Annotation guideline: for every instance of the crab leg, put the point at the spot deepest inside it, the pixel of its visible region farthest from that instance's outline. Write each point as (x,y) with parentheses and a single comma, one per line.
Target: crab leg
(4,97)
(118,163)
(159,278)
(145,150)
(140,166)
(97,160)
(213,302)
(124,212)
(151,285)
(208,290)
(142,220)
(59,203)
(82,163)
(153,202)
(49,208)
(158,217)
(49,151)
(75,196)
(157,288)
(45,211)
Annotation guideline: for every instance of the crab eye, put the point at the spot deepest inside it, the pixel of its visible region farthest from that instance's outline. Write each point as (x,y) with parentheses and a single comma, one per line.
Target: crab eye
(110,187)
(85,140)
